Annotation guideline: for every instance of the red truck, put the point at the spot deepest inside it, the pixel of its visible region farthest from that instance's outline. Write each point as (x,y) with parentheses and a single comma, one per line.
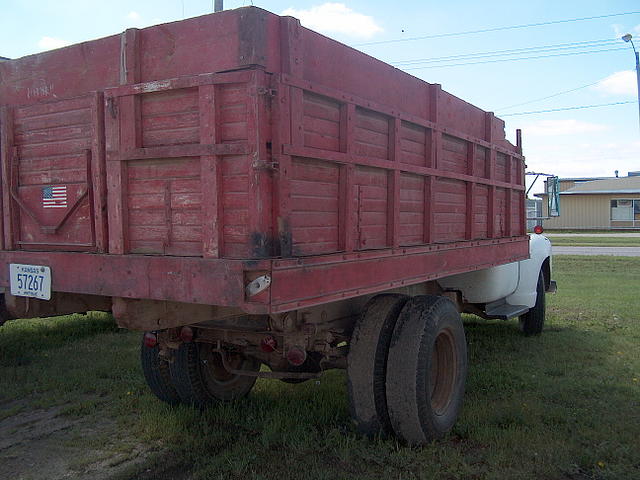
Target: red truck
(251,194)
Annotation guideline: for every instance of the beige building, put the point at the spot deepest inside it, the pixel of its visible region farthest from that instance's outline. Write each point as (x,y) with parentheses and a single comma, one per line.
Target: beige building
(601,203)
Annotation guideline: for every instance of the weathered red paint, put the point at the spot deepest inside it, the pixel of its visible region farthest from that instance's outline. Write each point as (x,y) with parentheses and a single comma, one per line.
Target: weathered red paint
(198,153)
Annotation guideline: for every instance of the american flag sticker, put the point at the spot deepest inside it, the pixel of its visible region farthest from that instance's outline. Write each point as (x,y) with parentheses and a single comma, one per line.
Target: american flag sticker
(54,197)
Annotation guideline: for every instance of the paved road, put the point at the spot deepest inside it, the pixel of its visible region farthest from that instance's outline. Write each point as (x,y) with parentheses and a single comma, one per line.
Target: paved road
(613,251)
(609,235)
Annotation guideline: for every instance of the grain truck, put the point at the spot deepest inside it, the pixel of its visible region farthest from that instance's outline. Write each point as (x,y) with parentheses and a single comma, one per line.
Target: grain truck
(260,201)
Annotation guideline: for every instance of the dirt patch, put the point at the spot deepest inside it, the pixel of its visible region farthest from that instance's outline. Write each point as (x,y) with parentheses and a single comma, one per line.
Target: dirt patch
(45,444)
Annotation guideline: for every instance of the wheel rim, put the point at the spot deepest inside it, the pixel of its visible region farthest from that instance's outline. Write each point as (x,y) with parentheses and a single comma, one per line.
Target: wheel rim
(442,372)
(213,369)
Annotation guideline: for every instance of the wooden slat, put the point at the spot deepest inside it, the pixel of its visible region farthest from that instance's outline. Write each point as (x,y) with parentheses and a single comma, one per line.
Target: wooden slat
(371,105)
(470,233)
(429,194)
(344,158)
(297,117)
(177,151)
(491,212)
(179,83)
(209,175)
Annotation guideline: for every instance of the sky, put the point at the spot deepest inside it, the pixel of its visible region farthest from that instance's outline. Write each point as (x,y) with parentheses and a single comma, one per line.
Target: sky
(512,58)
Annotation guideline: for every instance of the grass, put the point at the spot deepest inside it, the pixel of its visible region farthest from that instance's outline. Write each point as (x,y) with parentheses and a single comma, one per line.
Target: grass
(565,405)
(586,241)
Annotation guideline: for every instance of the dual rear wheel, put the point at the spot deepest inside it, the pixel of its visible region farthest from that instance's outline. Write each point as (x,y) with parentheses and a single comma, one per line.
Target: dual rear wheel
(407,367)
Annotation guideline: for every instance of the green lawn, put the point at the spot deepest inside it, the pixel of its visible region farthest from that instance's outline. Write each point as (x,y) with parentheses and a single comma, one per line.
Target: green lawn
(565,405)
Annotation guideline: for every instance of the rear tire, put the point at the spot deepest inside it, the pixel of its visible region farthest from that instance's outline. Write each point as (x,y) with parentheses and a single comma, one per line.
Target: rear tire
(156,373)
(426,370)
(532,322)
(201,379)
(367,363)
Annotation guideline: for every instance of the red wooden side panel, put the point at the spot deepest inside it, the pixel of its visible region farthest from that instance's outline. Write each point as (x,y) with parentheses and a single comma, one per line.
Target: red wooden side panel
(481,162)
(232,111)
(235,206)
(371,194)
(413,144)
(500,217)
(321,122)
(164,202)
(371,134)
(51,174)
(516,213)
(412,207)
(454,155)
(170,118)
(480,210)
(180,166)
(502,167)
(314,221)
(449,210)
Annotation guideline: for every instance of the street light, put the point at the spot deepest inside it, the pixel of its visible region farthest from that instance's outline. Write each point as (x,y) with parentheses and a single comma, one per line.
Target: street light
(627,38)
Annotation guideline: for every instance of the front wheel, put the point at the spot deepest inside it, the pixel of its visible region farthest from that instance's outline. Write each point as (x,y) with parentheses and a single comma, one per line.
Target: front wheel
(426,369)
(532,322)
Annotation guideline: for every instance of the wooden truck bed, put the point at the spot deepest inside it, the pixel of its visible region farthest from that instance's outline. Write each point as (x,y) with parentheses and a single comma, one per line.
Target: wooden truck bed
(193,157)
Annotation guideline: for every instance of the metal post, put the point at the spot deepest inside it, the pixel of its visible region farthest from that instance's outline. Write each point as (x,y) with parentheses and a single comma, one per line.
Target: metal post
(218,6)
(628,38)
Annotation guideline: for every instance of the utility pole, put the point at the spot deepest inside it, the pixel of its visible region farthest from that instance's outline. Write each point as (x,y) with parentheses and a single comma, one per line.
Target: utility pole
(218,6)
(627,38)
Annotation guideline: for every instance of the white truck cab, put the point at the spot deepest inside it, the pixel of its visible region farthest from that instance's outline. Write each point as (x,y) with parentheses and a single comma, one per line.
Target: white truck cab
(511,290)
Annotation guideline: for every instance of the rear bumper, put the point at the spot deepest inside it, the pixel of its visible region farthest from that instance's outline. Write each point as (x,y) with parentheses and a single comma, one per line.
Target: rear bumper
(295,282)
(180,279)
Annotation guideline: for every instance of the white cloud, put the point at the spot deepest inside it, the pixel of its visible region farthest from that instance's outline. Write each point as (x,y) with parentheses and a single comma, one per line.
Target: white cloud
(619,83)
(582,159)
(562,127)
(49,43)
(133,16)
(621,30)
(336,18)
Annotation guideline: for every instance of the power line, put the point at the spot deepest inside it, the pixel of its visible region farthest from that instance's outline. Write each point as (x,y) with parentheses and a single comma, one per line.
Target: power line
(495,29)
(514,51)
(566,108)
(550,96)
(516,59)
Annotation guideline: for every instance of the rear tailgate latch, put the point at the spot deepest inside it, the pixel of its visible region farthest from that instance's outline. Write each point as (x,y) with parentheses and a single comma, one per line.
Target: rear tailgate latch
(271,166)
(271,92)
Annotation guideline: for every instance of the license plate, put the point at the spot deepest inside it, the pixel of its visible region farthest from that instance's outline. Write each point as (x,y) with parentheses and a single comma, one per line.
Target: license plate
(30,281)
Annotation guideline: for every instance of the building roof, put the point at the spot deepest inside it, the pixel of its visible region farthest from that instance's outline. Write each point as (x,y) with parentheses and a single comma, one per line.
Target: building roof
(610,185)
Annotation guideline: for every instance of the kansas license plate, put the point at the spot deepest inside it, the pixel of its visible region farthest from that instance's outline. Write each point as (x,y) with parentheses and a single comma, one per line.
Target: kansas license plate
(30,281)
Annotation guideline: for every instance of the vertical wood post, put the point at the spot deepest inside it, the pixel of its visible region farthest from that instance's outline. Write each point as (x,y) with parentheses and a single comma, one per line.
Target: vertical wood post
(210,173)
(347,220)
(491,175)
(6,157)
(98,173)
(393,185)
